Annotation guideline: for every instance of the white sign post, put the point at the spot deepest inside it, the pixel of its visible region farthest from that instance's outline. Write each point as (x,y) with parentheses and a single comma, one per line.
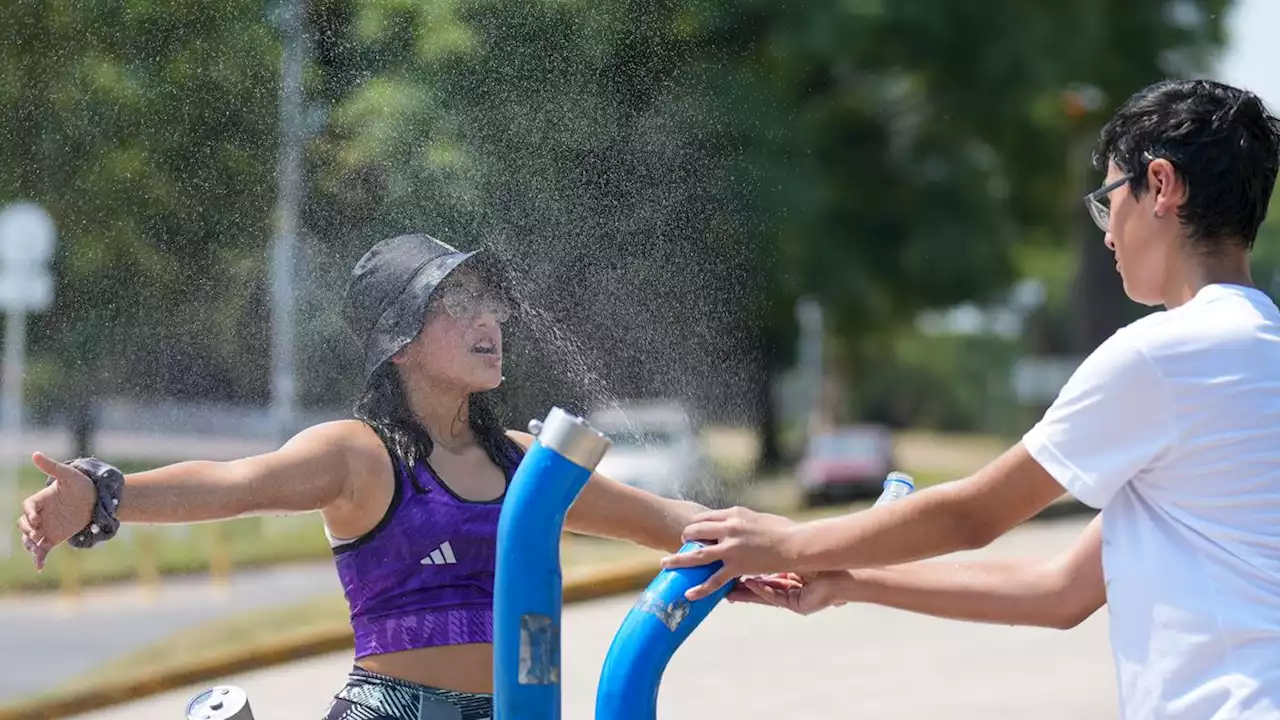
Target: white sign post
(27,239)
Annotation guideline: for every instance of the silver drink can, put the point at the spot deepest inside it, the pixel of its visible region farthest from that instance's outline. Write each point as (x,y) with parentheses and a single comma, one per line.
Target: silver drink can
(225,702)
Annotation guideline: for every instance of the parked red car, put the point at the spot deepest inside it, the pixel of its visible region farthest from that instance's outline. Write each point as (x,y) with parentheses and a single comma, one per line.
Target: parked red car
(846,463)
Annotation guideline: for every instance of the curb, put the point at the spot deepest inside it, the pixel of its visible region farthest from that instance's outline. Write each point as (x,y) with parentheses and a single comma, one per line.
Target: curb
(579,586)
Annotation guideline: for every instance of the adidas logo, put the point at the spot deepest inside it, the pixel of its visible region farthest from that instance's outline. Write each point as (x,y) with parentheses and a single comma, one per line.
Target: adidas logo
(442,555)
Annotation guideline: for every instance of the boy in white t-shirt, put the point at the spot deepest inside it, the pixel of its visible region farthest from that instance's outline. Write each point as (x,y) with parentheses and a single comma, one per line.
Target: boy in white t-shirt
(1171,428)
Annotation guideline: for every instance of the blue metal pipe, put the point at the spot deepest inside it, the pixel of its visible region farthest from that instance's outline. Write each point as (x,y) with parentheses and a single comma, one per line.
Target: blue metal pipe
(528,584)
(660,621)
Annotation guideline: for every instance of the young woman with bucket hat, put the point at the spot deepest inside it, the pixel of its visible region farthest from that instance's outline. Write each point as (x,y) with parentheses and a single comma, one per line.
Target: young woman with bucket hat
(410,489)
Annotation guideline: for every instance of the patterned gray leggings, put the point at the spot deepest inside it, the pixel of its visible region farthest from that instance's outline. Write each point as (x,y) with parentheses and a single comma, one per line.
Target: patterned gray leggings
(370,696)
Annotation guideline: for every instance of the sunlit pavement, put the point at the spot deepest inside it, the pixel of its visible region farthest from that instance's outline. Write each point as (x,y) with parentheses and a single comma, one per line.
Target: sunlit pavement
(754,662)
(62,638)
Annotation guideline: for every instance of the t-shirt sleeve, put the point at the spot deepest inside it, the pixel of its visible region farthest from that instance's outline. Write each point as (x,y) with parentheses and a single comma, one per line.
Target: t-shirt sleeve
(1112,419)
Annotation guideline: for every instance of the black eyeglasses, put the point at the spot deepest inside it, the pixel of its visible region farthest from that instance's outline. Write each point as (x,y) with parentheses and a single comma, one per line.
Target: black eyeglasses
(1099,210)
(466,302)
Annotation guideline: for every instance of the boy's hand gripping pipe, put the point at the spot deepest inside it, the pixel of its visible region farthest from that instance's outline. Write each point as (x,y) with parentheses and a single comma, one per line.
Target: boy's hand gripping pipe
(661,620)
(528,585)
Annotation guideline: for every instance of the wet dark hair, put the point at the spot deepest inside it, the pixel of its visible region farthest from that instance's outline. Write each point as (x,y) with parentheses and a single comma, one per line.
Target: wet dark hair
(1222,142)
(384,407)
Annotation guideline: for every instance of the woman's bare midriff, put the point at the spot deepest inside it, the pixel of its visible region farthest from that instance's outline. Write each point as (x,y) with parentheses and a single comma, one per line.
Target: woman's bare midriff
(462,668)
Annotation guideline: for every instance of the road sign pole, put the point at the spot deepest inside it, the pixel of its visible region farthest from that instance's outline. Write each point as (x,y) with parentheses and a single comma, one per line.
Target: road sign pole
(27,239)
(289,189)
(15,350)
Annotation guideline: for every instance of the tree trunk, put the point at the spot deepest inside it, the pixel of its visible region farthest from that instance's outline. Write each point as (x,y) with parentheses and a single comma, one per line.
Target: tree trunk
(770,454)
(1099,293)
(766,411)
(1100,297)
(82,425)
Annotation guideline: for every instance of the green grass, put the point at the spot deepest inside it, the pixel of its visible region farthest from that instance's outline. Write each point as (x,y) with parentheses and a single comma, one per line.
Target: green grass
(144,553)
(927,478)
(141,550)
(147,552)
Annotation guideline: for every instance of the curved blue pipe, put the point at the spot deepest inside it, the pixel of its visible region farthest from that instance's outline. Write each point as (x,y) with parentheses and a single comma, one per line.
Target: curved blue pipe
(527,588)
(660,621)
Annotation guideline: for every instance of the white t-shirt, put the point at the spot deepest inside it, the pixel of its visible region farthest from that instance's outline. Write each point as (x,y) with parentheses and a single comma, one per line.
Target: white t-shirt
(1172,428)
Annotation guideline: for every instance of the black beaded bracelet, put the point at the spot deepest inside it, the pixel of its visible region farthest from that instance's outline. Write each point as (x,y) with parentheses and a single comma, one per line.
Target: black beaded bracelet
(109,483)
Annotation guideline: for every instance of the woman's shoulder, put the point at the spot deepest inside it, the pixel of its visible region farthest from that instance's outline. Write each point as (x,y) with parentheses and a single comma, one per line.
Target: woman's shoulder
(345,430)
(353,440)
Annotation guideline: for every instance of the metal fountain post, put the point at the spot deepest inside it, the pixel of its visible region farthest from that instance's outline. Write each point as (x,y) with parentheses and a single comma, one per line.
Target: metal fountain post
(528,584)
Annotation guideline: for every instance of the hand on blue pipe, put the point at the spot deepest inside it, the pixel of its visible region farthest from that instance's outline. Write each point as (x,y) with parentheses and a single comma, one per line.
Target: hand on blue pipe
(660,621)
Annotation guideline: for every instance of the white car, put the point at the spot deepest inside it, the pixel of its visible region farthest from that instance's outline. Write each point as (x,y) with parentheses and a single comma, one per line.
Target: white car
(655,448)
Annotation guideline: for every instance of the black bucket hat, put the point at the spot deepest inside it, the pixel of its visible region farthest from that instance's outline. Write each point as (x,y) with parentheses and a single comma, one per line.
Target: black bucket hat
(390,286)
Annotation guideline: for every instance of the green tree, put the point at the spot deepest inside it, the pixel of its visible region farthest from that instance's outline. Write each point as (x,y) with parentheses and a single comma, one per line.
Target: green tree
(146,128)
(664,178)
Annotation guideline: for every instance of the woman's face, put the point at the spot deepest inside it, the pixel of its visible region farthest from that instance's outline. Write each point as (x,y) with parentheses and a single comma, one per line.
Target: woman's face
(461,339)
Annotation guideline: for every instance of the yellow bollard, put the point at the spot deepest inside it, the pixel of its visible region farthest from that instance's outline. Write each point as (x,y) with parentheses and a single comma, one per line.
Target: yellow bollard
(148,564)
(219,558)
(69,581)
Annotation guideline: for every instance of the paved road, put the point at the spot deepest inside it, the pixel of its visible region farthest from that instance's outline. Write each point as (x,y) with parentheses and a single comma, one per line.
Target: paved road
(59,640)
(159,447)
(754,662)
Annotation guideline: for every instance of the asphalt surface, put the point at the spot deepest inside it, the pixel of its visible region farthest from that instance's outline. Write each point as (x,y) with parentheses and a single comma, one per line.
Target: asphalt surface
(755,662)
(49,641)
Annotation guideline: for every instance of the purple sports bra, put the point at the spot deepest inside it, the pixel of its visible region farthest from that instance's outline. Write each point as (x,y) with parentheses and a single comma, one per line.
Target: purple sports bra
(423,577)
